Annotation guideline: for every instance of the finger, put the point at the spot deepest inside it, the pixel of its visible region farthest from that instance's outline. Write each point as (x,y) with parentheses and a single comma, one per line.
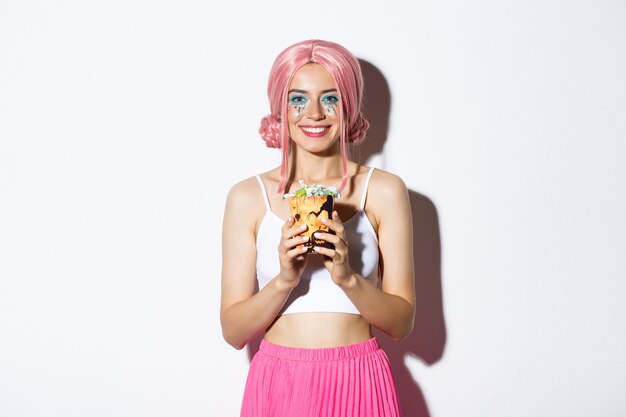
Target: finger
(335,224)
(288,223)
(295,241)
(331,253)
(294,231)
(327,237)
(296,252)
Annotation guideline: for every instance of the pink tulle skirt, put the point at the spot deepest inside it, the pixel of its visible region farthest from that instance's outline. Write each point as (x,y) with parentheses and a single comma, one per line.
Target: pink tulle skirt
(345,381)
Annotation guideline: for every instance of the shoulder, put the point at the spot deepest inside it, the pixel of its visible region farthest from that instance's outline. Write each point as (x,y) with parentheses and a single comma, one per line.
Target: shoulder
(245,204)
(387,196)
(244,193)
(385,186)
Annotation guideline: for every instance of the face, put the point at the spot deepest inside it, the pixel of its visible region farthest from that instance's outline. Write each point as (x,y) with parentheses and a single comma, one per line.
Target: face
(313,109)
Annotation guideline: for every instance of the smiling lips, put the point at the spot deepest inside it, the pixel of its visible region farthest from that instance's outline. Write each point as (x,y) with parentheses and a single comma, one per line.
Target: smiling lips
(315,131)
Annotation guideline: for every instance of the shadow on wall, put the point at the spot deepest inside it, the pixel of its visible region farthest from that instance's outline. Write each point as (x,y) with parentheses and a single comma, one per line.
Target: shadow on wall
(427,341)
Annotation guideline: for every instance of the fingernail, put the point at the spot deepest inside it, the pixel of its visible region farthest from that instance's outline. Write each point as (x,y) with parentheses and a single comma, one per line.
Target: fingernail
(305,238)
(303,227)
(324,220)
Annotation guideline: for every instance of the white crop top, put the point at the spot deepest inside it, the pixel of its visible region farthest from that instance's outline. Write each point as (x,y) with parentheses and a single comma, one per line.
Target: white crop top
(316,291)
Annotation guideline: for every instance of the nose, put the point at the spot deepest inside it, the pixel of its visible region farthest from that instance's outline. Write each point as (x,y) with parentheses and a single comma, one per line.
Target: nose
(316,111)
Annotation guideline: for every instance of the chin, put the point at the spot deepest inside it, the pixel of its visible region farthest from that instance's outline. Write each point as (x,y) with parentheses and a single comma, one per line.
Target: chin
(319,148)
(318,145)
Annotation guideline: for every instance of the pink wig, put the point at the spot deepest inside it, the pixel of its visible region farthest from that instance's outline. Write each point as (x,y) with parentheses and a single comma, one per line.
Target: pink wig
(346,72)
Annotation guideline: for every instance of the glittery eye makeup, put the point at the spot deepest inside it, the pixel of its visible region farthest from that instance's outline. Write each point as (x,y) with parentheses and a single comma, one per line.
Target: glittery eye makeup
(298,102)
(330,102)
(330,99)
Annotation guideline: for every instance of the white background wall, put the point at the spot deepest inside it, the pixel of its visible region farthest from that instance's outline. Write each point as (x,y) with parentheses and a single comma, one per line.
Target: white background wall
(124,123)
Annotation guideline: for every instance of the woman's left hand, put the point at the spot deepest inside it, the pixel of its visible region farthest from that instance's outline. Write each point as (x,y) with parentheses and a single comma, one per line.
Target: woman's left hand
(335,260)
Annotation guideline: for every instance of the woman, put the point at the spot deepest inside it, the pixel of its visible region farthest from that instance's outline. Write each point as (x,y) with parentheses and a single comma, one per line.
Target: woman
(318,356)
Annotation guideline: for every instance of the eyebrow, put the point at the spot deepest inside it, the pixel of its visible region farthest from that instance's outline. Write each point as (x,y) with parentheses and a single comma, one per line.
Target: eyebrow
(295,90)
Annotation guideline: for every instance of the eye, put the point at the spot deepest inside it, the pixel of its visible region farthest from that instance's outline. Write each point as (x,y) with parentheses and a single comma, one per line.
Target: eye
(330,99)
(298,100)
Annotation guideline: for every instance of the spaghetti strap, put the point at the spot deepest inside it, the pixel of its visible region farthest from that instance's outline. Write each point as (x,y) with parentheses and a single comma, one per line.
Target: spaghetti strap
(265,198)
(365,186)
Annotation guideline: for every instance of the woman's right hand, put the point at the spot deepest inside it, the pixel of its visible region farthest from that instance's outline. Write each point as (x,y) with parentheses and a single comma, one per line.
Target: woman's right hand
(292,259)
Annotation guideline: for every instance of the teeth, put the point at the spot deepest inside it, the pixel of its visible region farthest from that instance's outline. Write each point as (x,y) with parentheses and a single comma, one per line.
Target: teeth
(314,129)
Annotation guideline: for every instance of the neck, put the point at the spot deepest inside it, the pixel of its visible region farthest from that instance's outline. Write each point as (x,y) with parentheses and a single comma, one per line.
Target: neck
(325,169)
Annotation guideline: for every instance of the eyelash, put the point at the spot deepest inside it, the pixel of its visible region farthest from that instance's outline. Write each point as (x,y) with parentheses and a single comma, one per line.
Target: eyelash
(298,100)
(330,100)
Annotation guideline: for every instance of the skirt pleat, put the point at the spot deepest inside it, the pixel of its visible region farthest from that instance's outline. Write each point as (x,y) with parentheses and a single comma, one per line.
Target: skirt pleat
(345,381)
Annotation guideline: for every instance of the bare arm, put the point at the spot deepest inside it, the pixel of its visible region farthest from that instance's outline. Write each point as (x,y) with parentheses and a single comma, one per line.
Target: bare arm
(244,313)
(391,308)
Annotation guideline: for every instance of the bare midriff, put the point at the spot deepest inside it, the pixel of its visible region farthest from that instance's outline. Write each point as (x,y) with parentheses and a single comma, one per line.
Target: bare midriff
(318,330)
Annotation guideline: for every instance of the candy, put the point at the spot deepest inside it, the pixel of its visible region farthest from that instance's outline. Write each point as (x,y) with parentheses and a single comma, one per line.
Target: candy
(314,190)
